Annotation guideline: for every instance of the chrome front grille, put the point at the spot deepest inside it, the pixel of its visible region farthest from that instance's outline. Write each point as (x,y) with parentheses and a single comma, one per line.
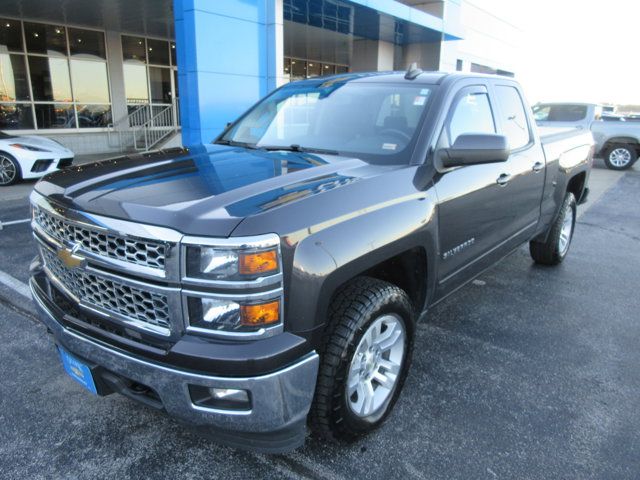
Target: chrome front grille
(107,244)
(110,296)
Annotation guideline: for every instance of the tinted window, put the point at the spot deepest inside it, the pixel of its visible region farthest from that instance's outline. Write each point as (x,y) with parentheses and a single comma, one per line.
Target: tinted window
(514,119)
(133,48)
(158,52)
(160,84)
(89,80)
(48,39)
(94,116)
(13,78)
(87,43)
(135,83)
(50,79)
(472,114)
(16,116)
(559,113)
(58,115)
(10,34)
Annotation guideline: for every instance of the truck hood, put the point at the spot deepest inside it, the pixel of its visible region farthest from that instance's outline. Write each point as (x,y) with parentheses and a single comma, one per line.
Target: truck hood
(206,190)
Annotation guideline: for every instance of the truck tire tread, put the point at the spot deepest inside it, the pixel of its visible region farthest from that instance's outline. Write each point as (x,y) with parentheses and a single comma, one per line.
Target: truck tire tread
(547,253)
(350,312)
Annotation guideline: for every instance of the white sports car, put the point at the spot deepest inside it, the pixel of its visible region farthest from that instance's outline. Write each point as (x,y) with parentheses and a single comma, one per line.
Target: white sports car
(30,157)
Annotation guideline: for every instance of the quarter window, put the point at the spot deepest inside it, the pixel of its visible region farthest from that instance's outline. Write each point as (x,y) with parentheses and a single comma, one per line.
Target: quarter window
(472,114)
(514,119)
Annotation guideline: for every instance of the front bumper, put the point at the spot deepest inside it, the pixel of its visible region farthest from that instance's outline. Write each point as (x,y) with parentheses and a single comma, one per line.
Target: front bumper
(51,163)
(280,401)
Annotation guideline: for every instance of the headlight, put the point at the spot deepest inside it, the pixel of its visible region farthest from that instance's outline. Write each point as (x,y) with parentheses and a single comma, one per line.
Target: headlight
(216,314)
(220,263)
(31,148)
(233,286)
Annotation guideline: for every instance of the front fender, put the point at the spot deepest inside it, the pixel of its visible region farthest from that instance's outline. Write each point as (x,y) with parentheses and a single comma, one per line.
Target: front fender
(326,259)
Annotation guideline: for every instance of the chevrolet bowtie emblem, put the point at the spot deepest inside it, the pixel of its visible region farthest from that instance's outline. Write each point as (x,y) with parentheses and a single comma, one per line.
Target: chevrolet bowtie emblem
(69,257)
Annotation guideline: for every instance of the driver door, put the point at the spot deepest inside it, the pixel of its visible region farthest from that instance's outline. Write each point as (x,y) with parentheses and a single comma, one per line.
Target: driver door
(474,208)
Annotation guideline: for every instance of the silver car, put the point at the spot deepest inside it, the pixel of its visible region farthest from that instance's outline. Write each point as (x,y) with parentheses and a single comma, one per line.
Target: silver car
(618,143)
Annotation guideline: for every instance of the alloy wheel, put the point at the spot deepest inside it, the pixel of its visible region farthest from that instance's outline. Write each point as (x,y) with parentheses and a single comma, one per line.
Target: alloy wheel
(620,157)
(566,232)
(8,171)
(375,366)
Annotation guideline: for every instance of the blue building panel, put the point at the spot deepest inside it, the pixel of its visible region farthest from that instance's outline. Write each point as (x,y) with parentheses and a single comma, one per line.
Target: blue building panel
(224,53)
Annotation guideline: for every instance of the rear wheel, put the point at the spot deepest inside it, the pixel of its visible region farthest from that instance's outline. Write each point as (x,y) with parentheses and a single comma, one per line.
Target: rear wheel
(555,249)
(620,157)
(365,359)
(9,170)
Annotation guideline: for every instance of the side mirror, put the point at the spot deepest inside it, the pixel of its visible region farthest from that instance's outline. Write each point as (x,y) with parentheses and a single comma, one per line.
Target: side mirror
(475,149)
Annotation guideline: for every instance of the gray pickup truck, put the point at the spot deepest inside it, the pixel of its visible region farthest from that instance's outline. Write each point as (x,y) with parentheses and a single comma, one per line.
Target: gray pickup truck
(618,143)
(273,279)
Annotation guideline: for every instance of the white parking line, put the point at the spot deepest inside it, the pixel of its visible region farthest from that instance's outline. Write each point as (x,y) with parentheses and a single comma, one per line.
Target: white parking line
(15,284)
(13,222)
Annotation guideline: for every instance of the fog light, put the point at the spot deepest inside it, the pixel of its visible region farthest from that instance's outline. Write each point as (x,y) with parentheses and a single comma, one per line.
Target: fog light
(230,395)
(220,398)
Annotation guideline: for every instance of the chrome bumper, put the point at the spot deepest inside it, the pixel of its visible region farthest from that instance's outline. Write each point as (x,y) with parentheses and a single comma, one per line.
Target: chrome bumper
(280,400)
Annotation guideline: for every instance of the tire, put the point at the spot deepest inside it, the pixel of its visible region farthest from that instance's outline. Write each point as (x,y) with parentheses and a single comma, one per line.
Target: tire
(620,157)
(555,249)
(9,170)
(365,310)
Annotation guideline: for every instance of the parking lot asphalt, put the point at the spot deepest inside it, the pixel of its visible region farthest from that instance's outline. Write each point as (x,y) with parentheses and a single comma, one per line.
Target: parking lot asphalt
(527,373)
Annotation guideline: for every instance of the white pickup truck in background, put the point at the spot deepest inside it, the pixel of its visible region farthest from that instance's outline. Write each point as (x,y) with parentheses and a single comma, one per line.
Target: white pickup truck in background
(618,143)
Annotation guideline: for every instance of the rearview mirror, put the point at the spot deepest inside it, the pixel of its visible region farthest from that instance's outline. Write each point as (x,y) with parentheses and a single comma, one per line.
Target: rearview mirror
(475,149)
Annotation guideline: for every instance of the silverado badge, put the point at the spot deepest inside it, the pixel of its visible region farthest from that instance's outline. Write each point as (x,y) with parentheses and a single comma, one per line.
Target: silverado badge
(69,257)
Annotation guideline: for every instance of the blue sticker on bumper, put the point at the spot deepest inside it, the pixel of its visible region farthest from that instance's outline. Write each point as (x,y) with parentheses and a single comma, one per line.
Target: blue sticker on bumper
(77,370)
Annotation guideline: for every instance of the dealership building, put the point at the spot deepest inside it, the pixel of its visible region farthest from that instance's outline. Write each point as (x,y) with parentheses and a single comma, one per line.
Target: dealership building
(122,75)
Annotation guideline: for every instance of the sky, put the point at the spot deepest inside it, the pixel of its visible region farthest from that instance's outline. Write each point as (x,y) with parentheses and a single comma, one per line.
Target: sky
(576,50)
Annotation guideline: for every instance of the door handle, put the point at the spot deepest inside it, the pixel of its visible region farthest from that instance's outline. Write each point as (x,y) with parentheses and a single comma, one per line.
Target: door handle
(537,166)
(503,179)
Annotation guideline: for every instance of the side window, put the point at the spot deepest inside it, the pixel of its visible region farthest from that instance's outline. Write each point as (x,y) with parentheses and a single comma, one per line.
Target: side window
(472,114)
(514,119)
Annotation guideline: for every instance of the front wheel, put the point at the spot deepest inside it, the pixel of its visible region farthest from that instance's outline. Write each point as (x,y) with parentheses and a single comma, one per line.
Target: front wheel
(9,170)
(365,359)
(620,157)
(555,249)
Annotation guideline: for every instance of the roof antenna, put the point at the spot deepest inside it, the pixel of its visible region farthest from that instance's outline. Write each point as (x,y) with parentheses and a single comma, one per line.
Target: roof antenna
(412,72)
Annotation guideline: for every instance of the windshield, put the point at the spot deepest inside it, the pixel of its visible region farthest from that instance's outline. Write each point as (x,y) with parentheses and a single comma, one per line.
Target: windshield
(365,120)
(559,112)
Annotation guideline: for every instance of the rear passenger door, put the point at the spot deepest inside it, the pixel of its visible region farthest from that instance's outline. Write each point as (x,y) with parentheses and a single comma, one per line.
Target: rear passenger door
(526,164)
(474,210)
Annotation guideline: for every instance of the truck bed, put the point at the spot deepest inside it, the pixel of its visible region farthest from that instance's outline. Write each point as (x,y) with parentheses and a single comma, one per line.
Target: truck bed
(557,142)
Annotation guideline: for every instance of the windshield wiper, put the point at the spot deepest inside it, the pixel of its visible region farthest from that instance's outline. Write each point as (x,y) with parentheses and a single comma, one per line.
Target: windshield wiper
(299,148)
(233,143)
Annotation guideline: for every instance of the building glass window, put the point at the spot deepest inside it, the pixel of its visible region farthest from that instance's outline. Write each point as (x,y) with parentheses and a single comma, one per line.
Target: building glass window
(298,69)
(16,116)
(46,39)
(13,78)
(57,79)
(174,59)
(55,115)
(87,44)
(89,81)
(158,51)
(10,35)
(150,75)
(133,48)
(160,84)
(50,79)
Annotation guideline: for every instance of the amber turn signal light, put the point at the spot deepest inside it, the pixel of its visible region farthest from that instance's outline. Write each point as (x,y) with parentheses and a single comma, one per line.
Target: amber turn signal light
(257,263)
(260,314)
